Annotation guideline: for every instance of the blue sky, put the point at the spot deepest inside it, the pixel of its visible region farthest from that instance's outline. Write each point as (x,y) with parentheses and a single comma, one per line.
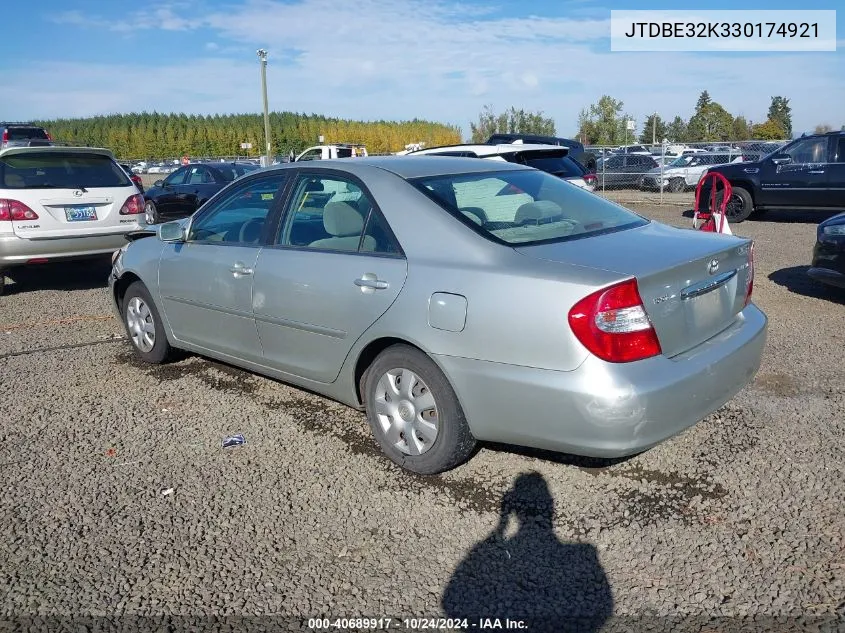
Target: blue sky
(386,59)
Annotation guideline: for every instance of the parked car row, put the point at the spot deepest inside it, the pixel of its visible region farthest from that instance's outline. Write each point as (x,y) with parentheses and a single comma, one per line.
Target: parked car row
(398,262)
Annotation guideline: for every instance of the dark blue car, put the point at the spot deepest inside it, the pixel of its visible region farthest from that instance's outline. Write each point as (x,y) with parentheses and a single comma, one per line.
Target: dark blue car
(186,189)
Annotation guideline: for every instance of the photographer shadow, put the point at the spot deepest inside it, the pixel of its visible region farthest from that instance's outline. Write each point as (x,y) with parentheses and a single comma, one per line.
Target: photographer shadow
(531,576)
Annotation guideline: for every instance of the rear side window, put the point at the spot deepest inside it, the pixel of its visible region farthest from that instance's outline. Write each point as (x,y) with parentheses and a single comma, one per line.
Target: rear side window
(230,172)
(525,206)
(60,170)
(344,152)
(25,133)
(561,166)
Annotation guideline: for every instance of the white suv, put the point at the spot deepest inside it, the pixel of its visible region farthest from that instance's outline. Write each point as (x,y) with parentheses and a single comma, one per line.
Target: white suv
(553,159)
(63,202)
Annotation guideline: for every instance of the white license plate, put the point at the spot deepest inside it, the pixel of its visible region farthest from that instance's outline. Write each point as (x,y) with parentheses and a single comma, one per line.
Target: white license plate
(80,214)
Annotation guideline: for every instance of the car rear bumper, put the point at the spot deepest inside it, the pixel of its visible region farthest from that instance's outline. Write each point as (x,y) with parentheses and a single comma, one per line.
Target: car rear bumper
(17,251)
(604,409)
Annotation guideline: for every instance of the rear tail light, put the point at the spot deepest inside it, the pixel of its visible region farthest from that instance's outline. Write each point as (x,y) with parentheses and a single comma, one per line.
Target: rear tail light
(134,204)
(749,284)
(49,136)
(5,136)
(136,179)
(613,325)
(15,210)
(590,179)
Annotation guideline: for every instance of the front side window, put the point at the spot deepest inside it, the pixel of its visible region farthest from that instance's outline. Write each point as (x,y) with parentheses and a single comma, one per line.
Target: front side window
(239,216)
(810,150)
(523,207)
(177,177)
(60,170)
(333,213)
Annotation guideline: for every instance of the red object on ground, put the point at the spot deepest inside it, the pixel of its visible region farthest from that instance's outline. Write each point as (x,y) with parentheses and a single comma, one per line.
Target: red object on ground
(708,220)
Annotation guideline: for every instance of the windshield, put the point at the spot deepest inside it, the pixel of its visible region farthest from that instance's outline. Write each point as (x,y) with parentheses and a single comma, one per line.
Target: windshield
(24,133)
(525,207)
(60,170)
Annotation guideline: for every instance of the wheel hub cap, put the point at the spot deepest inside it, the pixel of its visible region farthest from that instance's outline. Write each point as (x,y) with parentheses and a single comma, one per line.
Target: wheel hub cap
(140,324)
(406,411)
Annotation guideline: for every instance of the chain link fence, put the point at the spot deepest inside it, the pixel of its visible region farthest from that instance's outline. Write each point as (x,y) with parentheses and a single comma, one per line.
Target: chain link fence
(669,172)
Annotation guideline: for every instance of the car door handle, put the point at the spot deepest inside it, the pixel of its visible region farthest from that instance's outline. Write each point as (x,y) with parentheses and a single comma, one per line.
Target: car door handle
(239,270)
(370,282)
(817,171)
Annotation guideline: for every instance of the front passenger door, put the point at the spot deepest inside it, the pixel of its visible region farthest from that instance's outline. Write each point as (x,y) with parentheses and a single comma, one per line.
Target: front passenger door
(206,282)
(334,270)
(836,174)
(801,182)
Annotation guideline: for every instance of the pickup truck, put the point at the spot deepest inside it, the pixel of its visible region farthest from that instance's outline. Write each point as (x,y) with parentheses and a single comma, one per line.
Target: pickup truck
(808,173)
(330,152)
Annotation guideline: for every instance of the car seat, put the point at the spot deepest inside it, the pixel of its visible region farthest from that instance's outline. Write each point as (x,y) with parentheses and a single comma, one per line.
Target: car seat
(345,225)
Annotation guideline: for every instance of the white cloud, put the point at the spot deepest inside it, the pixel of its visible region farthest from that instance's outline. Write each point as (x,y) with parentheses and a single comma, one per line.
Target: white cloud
(212,46)
(406,58)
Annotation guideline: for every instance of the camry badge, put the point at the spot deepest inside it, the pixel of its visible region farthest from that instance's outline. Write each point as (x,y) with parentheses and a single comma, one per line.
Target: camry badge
(713,266)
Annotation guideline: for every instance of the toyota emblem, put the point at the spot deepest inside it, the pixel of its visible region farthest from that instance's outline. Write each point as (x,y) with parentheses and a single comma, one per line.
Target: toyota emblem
(713,266)
(78,193)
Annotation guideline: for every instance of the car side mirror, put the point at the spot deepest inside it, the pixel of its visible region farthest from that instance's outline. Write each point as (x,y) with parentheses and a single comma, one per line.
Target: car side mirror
(158,183)
(172,232)
(781,159)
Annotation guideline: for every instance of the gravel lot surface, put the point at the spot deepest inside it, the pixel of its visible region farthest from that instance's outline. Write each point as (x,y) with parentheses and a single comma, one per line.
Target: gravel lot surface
(117,499)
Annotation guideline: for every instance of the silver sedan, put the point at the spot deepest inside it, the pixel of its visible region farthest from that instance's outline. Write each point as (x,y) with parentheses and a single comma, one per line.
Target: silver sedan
(455,301)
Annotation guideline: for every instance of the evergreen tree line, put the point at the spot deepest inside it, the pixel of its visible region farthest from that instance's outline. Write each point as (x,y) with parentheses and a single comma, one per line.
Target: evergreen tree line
(604,123)
(153,135)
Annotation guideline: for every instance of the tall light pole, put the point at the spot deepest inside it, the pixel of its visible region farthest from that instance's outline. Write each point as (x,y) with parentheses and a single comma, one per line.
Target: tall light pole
(262,55)
(654,130)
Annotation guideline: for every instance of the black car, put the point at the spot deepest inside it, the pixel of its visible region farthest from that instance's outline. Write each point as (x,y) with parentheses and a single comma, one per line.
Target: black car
(186,189)
(576,149)
(23,135)
(829,252)
(808,173)
(623,170)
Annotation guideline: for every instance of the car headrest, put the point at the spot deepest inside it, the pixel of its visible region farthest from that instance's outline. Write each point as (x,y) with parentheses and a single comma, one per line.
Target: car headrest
(314,185)
(342,220)
(14,180)
(539,211)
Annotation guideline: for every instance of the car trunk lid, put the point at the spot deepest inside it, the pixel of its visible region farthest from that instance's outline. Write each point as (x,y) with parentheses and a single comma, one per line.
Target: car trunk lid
(693,284)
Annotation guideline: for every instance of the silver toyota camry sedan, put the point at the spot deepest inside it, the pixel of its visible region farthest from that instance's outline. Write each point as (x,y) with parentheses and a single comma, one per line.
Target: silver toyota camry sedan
(455,301)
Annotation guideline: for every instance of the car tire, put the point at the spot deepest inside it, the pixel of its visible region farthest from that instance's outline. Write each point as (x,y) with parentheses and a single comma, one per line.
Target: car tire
(2,283)
(144,326)
(424,403)
(740,206)
(677,185)
(150,212)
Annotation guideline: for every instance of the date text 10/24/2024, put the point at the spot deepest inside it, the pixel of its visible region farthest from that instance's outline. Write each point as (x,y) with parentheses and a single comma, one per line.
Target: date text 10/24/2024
(415,624)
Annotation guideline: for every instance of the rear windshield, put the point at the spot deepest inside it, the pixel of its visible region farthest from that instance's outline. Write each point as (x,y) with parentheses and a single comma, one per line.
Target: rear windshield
(60,170)
(24,133)
(525,206)
(230,172)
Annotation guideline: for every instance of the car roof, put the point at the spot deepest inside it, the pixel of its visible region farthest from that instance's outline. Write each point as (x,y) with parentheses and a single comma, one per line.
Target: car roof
(489,150)
(57,149)
(402,166)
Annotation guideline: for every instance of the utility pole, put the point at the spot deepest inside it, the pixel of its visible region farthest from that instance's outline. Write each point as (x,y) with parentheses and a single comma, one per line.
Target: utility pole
(654,130)
(262,55)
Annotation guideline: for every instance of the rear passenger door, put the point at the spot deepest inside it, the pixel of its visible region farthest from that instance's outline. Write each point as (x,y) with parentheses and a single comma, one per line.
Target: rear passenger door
(335,267)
